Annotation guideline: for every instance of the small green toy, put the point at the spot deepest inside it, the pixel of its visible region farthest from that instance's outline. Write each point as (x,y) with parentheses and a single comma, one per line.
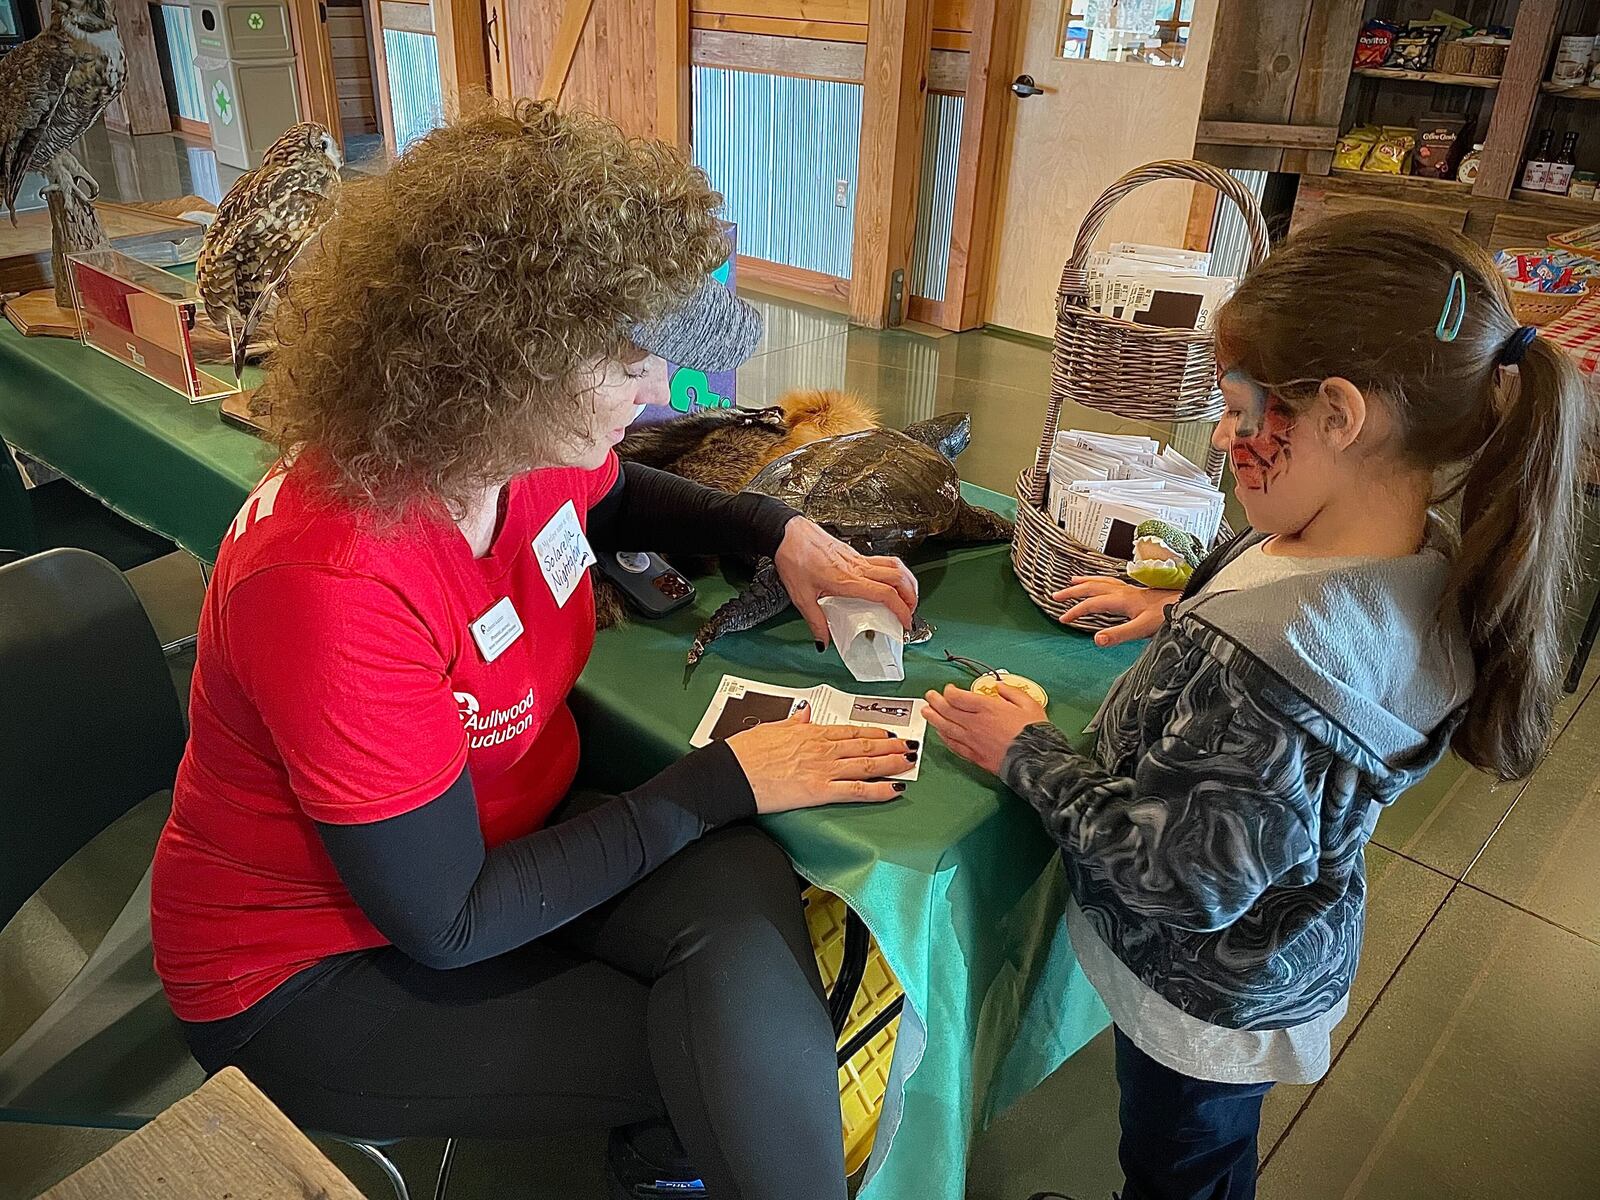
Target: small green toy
(1164,556)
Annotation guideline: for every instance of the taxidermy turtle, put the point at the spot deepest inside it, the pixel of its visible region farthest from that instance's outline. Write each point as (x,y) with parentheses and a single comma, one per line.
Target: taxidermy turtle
(1164,556)
(723,448)
(883,491)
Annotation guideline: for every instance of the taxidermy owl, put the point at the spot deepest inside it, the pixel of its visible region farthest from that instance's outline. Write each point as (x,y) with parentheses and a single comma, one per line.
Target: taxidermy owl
(263,222)
(52,89)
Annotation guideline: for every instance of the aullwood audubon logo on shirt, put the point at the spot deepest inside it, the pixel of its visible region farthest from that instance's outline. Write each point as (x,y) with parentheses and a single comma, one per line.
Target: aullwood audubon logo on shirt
(498,725)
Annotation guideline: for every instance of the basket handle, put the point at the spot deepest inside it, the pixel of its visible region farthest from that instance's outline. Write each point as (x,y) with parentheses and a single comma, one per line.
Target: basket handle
(1153,172)
(1073,278)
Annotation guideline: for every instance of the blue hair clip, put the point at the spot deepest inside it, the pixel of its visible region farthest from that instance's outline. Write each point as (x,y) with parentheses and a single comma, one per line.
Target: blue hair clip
(1454,311)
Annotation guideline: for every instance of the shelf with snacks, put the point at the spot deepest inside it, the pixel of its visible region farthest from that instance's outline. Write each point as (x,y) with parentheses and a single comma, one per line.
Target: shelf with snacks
(1569,203)
(1567,92)
(1440,77)
(1421,183)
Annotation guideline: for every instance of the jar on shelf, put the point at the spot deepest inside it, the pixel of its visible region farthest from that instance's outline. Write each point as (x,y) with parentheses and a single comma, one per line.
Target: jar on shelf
(1467,170)
(1584,185)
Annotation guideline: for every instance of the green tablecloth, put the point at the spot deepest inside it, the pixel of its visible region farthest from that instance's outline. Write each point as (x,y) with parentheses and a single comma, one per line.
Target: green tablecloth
(956,880)
(146,451)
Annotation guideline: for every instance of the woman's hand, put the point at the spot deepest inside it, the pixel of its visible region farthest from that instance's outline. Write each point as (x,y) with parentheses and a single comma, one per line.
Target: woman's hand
(795,764)
(981,728)
(1144,608)
(813,564)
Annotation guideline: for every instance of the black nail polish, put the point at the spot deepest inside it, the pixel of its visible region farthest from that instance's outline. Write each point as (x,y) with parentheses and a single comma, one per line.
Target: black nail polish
(912,756)
(913,744)
(821,647)
(899,787)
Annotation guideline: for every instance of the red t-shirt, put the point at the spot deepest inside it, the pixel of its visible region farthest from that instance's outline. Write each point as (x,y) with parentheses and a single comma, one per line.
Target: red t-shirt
(339,680)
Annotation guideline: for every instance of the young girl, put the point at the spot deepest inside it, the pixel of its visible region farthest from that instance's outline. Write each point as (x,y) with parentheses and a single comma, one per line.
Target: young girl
(1313,670)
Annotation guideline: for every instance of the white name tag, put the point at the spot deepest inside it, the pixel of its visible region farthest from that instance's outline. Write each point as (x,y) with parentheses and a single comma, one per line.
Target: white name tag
(497,629)
(563,553)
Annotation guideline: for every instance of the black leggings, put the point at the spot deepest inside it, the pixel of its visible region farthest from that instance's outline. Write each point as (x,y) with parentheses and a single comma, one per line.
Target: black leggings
(694,995)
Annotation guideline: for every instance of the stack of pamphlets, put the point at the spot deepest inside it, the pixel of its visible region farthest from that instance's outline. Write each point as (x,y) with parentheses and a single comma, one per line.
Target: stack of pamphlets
(1156,285)
(1103,486)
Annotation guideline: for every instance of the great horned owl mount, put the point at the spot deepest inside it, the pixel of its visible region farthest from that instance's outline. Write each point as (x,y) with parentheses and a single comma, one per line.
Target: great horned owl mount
(53,88)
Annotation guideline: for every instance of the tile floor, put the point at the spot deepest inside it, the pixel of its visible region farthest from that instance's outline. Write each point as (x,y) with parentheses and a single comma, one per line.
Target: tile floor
(1469,1066)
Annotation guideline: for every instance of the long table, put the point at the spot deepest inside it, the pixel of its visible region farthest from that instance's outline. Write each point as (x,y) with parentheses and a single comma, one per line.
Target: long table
(955,880)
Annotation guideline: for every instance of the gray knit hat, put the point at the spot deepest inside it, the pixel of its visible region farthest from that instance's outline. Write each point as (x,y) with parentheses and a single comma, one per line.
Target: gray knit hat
(713,330)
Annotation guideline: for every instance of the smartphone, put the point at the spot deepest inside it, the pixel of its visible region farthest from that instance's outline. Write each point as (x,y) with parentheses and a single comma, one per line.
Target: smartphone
(651,584)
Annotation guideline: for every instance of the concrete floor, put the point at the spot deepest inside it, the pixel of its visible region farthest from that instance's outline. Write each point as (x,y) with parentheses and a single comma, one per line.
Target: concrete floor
(1468,1067)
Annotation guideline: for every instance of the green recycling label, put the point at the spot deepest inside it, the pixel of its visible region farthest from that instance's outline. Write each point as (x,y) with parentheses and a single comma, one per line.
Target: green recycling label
(256,21)
(222,102)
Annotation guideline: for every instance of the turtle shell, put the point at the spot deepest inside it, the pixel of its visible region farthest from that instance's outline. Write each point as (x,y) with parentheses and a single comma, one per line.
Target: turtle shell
(877,489)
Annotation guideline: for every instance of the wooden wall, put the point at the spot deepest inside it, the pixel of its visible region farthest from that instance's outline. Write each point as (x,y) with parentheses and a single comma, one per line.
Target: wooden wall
(612,68)
(352,66)
(825,20)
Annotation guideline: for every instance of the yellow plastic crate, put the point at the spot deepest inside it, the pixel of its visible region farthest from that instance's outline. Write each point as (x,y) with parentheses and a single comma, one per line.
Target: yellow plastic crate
(865,1078)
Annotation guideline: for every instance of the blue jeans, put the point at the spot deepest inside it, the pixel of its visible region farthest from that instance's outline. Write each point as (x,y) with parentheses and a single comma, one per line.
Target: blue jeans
(1183,1138)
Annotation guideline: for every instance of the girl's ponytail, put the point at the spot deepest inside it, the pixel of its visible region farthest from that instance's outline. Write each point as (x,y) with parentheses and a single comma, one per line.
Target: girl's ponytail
(1513,572)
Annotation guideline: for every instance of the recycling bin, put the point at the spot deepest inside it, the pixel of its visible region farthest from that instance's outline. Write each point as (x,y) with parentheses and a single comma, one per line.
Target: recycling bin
(245,57)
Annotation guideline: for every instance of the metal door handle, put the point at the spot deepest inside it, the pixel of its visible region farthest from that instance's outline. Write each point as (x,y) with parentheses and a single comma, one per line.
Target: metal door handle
(494,41)
(1023,86)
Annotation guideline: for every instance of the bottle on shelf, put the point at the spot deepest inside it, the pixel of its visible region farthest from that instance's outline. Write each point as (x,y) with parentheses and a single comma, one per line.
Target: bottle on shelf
(1559,177)
(1467,172)
(1537,168)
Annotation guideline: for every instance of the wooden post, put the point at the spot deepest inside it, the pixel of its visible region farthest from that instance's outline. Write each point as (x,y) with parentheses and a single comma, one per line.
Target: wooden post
(142,107)
(674,83)
(983,125)
(894,94)
(463,53)
(1517,98)
(574,19)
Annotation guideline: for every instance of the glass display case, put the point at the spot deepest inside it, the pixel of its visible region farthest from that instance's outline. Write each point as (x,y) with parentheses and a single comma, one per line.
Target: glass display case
(144,317)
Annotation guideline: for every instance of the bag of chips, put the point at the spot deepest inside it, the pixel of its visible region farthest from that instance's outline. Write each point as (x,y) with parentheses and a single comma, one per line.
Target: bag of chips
(1351,152)
(1372,44)
(1392,154)
(1414,48)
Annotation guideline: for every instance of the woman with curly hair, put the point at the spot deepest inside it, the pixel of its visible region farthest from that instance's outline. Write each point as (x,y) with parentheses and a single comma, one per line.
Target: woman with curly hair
(375,893)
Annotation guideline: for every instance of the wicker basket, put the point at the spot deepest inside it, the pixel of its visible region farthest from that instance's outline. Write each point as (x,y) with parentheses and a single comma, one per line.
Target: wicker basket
(1136,371)
(1454,58)
(1540,308)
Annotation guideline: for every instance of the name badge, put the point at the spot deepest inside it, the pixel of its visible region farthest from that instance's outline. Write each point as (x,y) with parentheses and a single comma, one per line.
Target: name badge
(497,629)
(564,553)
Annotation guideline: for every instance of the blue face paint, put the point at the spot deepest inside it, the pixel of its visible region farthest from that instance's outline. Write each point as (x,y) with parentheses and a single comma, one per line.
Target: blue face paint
(1253,415)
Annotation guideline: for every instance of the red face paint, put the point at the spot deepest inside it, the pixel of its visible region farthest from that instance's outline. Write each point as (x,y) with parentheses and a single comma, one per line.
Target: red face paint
(1261,459)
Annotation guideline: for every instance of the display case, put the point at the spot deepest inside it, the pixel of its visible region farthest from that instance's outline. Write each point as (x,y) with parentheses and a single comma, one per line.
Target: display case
(145,318)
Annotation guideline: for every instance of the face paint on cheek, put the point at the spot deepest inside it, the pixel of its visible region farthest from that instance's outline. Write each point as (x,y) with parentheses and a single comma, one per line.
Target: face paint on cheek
(1261,458)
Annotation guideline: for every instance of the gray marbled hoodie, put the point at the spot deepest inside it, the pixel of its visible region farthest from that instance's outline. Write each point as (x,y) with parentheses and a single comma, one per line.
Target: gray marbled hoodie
(1214,839)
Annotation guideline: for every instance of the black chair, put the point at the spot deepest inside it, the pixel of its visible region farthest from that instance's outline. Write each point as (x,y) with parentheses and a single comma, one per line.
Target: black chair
(90,728)
(58,514)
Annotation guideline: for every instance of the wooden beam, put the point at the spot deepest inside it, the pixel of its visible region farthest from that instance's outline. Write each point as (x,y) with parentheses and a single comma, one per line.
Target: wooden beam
(889,163)
(758,271)
(674,81)
(983,124)
(407,16)
(1202,216)
(142,107)
(574,17)
(463,54)
(497,33)
(809,58)
(1324,76)
(380,76)
(827,31)
(1518,97)
(1258,133)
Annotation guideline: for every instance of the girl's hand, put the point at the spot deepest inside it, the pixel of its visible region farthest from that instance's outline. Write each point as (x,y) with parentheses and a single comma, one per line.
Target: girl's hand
(1144,608)
(981,728)
(813,564)
(795,764)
